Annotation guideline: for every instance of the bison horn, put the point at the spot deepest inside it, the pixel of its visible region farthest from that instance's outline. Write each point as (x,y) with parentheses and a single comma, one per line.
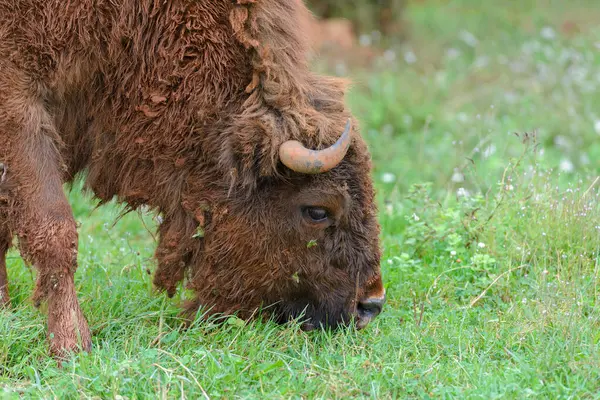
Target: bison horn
(300,159)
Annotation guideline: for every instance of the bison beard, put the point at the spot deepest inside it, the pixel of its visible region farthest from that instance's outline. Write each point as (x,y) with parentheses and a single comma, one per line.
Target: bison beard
(206,112)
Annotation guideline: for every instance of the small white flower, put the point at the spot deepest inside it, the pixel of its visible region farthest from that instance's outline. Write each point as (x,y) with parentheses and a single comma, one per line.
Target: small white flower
(566,165)
(468,38)
(481,245)
(561,141)
(364,40)
(548,33)
(488,151)
(452,53)
(389,55)
(416,217)
(410,57)
(457,176)
(453,253)
(462,192)
(481,62)
(584,159)
(388,177)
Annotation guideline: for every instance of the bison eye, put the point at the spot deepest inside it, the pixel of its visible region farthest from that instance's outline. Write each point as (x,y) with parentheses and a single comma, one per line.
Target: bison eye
(316,214)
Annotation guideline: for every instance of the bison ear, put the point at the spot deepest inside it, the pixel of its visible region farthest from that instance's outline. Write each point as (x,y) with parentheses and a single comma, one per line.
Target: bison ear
(249,155)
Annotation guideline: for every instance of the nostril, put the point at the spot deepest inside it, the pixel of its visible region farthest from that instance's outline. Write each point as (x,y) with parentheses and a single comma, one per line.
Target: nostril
(371,307)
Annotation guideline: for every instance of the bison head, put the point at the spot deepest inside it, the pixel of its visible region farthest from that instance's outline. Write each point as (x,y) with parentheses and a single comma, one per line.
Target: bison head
(301,243)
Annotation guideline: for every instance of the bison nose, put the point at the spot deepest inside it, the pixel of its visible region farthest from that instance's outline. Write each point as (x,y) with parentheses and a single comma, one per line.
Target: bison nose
(368,309)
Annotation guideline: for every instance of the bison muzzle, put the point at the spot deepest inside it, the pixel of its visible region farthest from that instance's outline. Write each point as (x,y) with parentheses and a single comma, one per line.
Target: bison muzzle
(206,112)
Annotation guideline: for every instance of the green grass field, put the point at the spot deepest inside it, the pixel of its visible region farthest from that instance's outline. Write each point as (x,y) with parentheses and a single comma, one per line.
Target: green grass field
(485,133)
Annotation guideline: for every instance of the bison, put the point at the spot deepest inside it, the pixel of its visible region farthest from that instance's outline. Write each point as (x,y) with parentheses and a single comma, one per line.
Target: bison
(206,112)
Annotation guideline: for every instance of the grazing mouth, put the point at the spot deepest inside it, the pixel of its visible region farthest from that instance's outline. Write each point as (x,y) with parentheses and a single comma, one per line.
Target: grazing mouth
(312,315)
(311,319)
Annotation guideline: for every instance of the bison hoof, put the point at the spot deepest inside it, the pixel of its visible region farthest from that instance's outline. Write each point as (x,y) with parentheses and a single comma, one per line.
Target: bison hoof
(69,336)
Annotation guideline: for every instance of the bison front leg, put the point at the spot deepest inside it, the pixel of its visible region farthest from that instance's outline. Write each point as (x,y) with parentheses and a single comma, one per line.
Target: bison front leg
(48,239)
(39,214)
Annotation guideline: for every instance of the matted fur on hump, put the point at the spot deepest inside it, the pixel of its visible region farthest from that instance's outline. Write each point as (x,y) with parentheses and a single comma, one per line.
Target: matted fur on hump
(286,100)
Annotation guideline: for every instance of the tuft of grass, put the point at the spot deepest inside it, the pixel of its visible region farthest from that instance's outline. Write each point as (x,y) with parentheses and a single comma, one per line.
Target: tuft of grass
(484,134)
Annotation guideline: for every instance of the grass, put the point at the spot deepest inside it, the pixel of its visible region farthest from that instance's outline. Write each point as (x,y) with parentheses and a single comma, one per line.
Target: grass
(484,131)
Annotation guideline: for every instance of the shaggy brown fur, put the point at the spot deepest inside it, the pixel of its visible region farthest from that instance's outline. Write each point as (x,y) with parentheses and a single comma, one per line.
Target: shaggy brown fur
(181,106)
